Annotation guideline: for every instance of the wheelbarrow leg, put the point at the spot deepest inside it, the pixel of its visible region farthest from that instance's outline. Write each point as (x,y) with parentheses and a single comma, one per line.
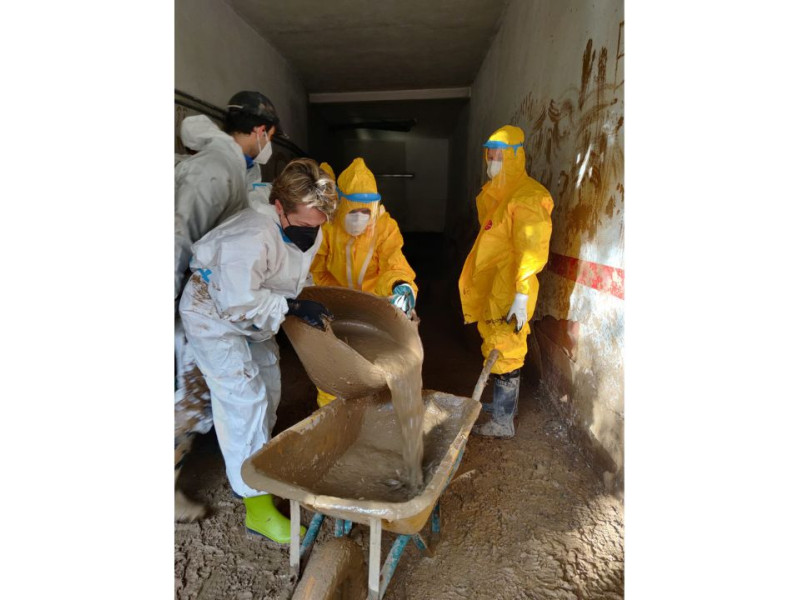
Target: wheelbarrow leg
(422,545)
(374,559)
(391,561)
(436,520)
(311,534)
(342,527)
(294,535)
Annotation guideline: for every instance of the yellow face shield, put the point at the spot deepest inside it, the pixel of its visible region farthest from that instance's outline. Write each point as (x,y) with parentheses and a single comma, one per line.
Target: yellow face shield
(357,216)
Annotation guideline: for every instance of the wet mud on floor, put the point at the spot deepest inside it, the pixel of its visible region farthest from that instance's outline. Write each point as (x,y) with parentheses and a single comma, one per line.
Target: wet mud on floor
(523,518)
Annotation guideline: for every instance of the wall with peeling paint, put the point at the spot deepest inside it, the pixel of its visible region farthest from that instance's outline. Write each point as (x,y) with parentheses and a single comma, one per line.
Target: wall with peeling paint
(217,54)
(555,69)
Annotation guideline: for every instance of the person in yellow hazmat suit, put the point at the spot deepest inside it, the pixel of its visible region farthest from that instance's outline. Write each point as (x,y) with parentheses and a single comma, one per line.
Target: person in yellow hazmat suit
(328,169)
(498,284)
(362,248)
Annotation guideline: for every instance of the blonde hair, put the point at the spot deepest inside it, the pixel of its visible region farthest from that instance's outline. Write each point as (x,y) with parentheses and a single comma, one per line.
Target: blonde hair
(302,181)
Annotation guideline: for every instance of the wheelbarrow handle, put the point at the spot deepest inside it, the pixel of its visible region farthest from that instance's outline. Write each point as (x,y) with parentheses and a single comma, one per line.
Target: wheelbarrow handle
(487,368)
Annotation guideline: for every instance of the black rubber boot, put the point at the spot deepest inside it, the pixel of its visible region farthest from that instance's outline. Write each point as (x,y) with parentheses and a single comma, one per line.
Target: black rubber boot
(505,397)
(488,407)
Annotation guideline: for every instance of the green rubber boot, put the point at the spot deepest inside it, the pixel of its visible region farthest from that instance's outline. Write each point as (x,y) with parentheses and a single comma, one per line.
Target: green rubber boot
(264,519)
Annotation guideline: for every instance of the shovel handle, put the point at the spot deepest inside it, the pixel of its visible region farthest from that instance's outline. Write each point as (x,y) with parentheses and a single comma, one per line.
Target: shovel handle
(487,368)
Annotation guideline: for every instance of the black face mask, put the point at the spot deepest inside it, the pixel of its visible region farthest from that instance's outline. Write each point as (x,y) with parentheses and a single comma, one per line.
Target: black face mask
(302,237)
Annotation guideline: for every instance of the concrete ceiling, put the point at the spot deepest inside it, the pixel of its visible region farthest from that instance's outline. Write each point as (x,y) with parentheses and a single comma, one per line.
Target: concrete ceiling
(358,45)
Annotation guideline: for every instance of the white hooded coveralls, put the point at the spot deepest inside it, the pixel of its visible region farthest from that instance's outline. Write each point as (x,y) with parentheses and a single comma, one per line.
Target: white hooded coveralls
(210,186)
(208,189)
(232,307)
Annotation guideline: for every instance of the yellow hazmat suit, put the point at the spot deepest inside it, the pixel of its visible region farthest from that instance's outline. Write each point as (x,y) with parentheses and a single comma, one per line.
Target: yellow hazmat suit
(328,169)
(366,254)
(341,258)
(511,248)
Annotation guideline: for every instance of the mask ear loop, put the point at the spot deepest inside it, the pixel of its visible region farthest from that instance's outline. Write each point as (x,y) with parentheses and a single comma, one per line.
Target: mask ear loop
(258,141)
(258,138)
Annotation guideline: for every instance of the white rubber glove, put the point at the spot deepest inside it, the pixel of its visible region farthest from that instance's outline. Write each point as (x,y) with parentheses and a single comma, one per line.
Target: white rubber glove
(519,310)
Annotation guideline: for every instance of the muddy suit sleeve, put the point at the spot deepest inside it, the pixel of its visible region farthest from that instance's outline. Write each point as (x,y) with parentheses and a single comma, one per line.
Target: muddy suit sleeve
(200,199)
(240,285)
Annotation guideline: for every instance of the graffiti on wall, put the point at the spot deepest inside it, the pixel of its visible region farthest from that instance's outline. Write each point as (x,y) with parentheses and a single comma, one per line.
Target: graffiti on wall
(573,146)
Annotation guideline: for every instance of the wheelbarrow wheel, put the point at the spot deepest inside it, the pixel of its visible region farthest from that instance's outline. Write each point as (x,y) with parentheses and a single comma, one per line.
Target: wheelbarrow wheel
(335,571)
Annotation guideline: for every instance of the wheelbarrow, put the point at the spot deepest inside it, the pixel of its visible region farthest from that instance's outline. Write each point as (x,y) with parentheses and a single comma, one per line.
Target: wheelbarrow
(295,463)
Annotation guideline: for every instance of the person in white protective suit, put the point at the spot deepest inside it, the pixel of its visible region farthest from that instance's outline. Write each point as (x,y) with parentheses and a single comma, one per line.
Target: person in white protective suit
(197,131)
(246,276)
(210,185)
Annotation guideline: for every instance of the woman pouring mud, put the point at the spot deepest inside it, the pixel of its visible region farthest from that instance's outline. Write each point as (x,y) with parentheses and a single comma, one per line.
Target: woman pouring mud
(246,275)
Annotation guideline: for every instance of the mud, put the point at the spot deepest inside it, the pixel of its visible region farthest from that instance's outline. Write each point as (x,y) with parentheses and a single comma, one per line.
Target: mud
(403,371)
(214,558)
(374,465)
(523,518)
(404,376)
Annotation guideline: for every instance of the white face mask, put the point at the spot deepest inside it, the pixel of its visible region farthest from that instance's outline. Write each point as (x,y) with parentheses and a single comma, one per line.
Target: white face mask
(493,168)
(263,153)
(356,222)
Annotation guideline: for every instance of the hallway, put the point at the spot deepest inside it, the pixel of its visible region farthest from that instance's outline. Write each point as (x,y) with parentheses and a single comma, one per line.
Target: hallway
(415,89)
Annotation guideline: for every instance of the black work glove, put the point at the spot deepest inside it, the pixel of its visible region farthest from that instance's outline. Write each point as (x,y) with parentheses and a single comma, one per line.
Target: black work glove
(311,312)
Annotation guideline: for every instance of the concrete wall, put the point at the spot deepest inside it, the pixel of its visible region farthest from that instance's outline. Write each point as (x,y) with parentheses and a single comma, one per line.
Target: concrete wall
(555,69)
(218,54)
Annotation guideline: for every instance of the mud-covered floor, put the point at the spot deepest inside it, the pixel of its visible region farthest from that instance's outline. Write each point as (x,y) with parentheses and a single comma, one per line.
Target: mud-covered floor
(523,518)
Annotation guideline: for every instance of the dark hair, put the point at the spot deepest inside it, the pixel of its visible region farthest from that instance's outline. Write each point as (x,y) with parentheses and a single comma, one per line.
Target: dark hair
(244,122)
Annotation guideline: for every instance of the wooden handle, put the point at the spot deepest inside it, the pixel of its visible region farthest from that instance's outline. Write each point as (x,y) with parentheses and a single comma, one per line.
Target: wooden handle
(487,368)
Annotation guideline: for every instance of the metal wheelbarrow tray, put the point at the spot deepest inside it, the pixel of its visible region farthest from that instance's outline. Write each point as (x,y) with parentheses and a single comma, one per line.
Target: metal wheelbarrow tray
(293,465)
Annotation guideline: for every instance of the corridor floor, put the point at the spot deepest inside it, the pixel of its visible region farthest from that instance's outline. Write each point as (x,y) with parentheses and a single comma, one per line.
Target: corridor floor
(522,518)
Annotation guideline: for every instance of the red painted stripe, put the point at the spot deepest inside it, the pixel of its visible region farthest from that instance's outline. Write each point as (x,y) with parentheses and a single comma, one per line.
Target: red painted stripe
(594,275)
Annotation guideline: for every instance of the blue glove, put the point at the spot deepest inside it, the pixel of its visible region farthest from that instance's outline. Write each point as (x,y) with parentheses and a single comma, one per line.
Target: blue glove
(403,298)
(311,312)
